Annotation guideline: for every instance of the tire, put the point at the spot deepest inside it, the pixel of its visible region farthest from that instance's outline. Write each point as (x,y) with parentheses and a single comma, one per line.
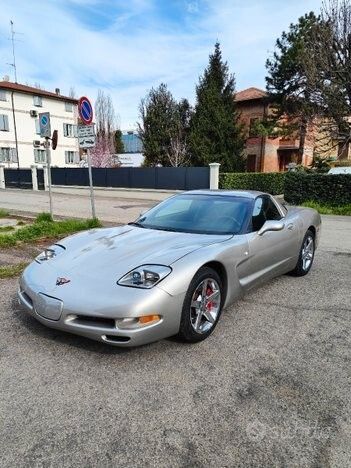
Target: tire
(199,314)
(305,261)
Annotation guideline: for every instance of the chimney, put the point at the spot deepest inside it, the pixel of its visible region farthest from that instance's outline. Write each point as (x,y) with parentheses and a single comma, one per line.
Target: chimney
(57,91)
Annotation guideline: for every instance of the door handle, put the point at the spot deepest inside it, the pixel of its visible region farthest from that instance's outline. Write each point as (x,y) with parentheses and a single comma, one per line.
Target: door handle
(290,227)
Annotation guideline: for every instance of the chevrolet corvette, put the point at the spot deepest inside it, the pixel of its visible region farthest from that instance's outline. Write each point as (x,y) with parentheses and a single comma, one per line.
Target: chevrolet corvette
(172,271)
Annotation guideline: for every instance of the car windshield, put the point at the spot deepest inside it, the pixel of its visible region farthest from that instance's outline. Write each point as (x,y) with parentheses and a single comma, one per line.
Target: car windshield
(196,213)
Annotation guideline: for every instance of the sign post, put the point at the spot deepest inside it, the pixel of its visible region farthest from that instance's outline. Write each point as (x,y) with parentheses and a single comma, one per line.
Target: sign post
(86,138)
(45,131)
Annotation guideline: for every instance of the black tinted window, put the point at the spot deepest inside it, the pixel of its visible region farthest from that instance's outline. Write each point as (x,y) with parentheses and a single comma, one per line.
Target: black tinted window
(197,213)
(264,210)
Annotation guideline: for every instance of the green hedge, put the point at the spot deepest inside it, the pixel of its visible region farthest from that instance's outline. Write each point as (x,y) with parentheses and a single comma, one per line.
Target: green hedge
(270,182)
(334,190)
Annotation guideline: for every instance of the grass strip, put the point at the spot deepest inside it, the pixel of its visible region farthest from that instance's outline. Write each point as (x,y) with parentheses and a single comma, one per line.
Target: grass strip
(343,210)
(10,271)
(46,230)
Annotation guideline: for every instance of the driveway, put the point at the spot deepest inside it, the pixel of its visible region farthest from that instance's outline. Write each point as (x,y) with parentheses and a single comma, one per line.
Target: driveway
(271,386)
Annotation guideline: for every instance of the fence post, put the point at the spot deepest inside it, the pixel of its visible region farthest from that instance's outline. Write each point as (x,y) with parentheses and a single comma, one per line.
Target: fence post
(34,176)
(214,176)
(2,176)
(46,177)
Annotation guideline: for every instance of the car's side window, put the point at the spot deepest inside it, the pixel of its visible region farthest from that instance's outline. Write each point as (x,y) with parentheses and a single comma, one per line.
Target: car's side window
(264,209)
(258,215)
(271,210)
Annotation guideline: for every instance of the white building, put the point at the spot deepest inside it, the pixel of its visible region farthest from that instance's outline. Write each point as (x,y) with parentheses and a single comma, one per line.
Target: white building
(20,106)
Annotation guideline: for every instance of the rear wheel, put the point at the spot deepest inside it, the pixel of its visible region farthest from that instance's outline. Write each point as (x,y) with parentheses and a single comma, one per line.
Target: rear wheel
(202,306)
(306,256)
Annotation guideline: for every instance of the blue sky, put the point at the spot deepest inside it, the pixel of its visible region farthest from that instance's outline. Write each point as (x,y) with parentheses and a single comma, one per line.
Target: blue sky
(127,47)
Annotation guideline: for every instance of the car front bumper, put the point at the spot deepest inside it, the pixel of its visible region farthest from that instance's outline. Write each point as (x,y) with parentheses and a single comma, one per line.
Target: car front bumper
(99,316)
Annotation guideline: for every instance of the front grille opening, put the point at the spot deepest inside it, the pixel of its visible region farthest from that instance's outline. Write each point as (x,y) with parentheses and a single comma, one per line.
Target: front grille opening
(94,321)
(27,298)
(117,339)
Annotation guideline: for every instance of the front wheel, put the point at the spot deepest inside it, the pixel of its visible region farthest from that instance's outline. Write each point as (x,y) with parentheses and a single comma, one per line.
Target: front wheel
(306,256)
(202,306)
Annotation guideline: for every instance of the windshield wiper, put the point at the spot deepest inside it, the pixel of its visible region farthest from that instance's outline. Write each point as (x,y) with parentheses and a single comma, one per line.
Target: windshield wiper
(135,223)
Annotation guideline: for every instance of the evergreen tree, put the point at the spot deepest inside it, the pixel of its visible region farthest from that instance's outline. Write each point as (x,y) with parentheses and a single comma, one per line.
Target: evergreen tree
(119,147)
(215,132)
(159,113)
(287,83)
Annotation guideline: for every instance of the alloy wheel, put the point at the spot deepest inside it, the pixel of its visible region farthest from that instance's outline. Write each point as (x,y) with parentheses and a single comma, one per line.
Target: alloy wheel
(205,305)
(307,253)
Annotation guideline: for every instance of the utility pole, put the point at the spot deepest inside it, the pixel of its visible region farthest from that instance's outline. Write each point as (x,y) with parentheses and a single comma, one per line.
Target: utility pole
(48,162)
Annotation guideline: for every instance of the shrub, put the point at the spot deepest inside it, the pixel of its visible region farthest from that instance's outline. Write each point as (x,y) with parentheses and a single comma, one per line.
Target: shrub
(3,213)
(44,217)
(333,190)
(270,182)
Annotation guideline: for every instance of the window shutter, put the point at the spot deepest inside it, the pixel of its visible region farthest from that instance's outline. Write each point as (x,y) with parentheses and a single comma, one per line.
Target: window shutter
(76,157)
(37,127)
(66,157)
(35,155)
(75,131)
(6,122)
(13,155)
(64,129)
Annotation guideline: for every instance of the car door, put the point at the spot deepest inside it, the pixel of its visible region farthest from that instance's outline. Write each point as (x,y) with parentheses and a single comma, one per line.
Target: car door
(274,252)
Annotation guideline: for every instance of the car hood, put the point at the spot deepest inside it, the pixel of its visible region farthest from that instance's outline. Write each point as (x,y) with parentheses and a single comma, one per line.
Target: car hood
(118,250)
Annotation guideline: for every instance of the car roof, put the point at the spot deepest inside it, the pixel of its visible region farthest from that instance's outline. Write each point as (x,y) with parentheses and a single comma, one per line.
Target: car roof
(231,193)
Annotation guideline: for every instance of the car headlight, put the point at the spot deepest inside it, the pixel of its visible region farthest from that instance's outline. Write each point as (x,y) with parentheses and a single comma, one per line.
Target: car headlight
(145,276)
(50,252)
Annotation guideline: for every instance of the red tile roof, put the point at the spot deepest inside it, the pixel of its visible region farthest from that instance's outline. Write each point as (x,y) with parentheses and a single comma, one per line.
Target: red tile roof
(38,92)
(250,94)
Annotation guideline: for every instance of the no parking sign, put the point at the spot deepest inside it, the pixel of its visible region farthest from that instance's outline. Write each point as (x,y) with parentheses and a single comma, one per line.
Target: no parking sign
(85,110)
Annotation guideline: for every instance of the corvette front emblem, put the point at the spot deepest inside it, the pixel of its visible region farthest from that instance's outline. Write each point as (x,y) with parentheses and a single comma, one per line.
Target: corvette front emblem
(61,281)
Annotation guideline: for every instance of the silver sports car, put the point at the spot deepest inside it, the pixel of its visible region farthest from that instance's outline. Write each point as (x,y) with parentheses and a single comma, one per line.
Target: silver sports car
(172,271)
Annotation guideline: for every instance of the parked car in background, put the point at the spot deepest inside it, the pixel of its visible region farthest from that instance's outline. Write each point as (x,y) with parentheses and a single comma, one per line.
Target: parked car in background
(340,170)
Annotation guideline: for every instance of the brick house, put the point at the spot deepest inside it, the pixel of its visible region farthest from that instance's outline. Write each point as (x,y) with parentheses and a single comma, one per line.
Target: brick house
(266,154)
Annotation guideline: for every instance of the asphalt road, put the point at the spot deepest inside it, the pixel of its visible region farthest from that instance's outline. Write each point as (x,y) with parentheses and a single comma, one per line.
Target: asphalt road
(271,386)
(112,206)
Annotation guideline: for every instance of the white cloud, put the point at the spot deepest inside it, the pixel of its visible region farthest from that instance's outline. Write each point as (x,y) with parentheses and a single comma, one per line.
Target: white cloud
(126,48)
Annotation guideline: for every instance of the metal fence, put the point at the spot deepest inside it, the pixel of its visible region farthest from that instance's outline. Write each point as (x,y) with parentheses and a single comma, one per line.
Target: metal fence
(171,178)
(167,178)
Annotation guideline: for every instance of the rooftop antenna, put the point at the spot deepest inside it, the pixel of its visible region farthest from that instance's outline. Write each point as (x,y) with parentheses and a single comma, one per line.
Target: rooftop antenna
(13,64)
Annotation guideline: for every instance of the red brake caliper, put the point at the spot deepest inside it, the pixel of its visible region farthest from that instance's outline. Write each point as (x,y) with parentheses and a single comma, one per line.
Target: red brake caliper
(209,304)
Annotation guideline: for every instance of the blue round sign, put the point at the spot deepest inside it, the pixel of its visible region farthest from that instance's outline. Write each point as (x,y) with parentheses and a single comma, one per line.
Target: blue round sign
(44,120)
(85,110)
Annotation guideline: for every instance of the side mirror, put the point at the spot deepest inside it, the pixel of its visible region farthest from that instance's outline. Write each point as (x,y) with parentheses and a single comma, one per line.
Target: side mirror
(271,226)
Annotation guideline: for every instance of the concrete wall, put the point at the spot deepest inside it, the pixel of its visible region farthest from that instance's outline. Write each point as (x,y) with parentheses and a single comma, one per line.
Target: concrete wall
(26,129)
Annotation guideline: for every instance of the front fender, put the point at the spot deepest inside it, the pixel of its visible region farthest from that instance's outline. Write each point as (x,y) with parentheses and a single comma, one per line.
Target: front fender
(231,254)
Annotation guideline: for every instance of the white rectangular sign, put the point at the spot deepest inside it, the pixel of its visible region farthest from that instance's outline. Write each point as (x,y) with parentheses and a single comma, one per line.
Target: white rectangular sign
(86,131)
(86,142)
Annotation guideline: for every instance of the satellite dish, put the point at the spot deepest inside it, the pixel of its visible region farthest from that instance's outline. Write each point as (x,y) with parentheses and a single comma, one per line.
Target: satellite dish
(54,139)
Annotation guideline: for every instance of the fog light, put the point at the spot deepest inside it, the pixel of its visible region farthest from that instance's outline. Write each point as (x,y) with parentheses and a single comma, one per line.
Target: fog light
(148,319)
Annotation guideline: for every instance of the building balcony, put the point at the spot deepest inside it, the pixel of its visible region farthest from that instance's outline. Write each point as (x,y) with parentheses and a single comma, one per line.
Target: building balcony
(288,143)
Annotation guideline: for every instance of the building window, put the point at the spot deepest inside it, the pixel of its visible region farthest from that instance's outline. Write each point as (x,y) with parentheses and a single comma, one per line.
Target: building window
(4,123)
(3,96)
(38,101)
(68,107)
(69,130)
(8,155)
(37,126)
(253,127)
(251,163)
(40,156)
(71,157)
